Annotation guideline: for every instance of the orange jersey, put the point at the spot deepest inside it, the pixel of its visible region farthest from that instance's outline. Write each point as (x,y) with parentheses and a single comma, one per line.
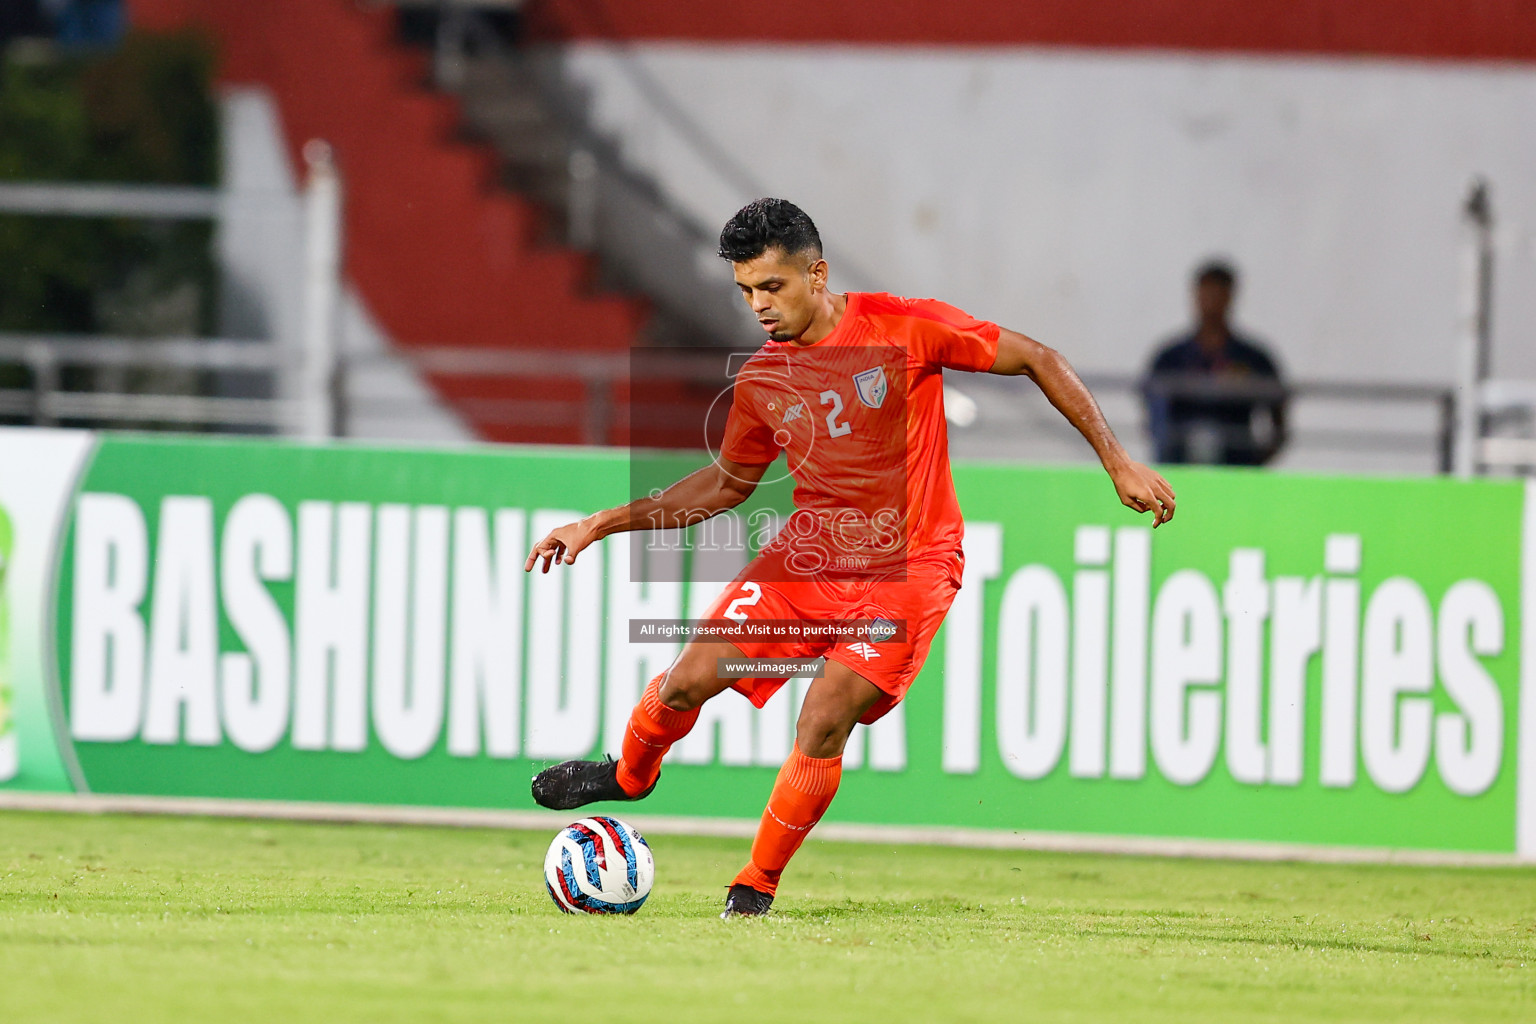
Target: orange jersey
(859,416)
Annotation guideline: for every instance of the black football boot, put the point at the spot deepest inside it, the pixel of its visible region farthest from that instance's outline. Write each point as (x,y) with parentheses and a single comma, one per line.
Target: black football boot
(574,784)
(745,901)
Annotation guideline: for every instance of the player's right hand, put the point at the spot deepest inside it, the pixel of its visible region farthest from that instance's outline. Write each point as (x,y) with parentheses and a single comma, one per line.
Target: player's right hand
(1143,489)
(562,544)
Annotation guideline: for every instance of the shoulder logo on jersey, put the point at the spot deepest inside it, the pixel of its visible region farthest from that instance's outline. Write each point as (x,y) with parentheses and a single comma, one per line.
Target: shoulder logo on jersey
(794,412)
(872,386)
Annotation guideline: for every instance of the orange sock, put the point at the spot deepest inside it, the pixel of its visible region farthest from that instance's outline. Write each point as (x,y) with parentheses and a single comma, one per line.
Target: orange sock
(800,797)
(653,728)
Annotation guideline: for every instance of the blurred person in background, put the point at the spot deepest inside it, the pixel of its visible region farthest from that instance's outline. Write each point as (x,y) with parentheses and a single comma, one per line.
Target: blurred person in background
(1215,396)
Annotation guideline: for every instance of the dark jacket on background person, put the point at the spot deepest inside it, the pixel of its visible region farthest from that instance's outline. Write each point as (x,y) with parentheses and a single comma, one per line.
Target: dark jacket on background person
(1214,428)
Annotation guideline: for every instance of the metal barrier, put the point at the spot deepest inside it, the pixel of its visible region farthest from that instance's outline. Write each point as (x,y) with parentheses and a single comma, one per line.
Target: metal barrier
(600,373)
(305,378)
(45,356)
(1493,429)
(1508,425)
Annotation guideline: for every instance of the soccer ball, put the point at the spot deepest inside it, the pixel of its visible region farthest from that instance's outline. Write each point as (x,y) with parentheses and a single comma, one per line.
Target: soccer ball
(599,865)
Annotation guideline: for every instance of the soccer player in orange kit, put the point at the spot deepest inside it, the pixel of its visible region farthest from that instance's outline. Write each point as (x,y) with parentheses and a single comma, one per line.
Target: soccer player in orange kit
(849,387)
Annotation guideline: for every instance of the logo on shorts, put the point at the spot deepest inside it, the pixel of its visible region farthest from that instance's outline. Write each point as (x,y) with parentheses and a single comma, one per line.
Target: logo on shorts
(872,386)
(863,650)
(880,630)
(794,412)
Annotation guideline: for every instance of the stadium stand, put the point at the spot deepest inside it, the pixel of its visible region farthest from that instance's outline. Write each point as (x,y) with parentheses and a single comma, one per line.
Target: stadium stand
(442,257)
(1439,29)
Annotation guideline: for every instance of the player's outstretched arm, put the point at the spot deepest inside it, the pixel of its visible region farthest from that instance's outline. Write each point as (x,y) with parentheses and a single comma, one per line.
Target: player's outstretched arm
(699,495)
(1139,487)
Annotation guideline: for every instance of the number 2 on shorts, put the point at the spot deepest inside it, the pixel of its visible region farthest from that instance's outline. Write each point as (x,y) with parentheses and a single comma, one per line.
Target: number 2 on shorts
(733,610)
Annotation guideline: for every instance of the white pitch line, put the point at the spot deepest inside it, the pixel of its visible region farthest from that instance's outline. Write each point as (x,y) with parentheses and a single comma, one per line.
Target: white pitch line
(735,828)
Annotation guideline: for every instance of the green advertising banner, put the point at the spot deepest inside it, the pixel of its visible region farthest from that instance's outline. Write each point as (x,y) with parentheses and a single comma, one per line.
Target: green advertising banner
(1316,660)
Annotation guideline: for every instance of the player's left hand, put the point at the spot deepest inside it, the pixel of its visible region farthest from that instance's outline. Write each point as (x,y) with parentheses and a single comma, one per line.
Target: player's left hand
(1144,490)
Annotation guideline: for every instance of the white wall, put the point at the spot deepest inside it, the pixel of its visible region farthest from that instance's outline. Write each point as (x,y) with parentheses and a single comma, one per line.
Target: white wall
(1068,194)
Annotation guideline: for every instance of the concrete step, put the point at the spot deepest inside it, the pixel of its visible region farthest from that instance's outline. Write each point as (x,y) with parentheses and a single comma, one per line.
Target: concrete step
(487,109)
(543,146)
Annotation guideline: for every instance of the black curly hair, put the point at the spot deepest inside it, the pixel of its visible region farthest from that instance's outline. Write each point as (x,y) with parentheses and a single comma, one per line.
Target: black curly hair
(1219,271)
(765,224)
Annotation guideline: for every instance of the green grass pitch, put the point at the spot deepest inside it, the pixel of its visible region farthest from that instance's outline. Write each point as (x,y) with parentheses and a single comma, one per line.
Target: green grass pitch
(119,919)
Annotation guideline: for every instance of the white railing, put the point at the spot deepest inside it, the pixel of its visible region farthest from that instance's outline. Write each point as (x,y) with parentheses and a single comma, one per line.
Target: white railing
(1508,425)
(46,356)
(601,375)
(1486,409)
(306,380)
(166,202)
(1482,425)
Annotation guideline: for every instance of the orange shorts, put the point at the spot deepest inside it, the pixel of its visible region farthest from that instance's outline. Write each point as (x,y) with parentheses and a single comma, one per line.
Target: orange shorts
(918,602)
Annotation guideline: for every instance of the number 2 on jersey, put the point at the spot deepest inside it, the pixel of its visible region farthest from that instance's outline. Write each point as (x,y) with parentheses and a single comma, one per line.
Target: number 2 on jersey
(832,398)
